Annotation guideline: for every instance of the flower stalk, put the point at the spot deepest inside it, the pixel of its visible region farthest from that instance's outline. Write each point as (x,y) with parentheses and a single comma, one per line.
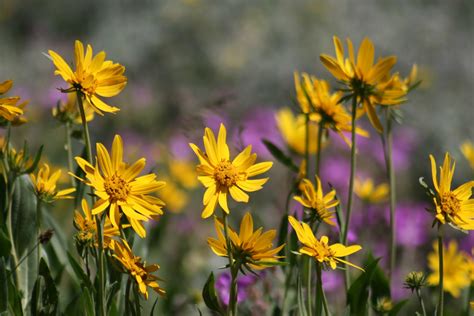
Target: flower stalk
(321,290)
(441,271)
(232,309)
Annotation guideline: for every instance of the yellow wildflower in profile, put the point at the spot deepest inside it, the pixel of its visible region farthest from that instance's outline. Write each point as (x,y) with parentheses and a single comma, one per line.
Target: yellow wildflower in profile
(368,192)
(320,250)
(118,187)
(221,176)
(452,206)
(174,198)
(138,270)
(253,249)
(302,93)
(69,112)
(293,131)
(93,76)
(455,269)
(467,149)
(363,76)
(8,106)
(87,228)
(45,185)
(314,199)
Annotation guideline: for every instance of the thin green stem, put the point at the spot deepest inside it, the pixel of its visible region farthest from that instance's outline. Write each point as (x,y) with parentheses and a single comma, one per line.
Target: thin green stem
(127,296)
(420,299)
(308,285)
(100,257)
(14,263)
(289,269)
(351,181)
(232,309)
(441,271)
(38,230)
(318,145)
(70,162)
(321,290)
(25,256)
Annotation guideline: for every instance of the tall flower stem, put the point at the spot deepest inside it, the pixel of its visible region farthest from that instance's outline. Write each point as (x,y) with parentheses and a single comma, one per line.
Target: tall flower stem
(100,255)
(422,304)
(70,162)
(387,141)
(441,271)
(233,288)
(321,290)
(9,220)
(38,229)
(351,181)
(308,286)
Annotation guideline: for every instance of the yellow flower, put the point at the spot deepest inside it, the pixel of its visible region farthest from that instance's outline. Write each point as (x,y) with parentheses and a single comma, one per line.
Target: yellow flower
(314,199)
(87,228)
(253,249)
(222,176)
(118,188)
(69,112)
(366,191)
(452,206)
(365,79)
(45,185)
(467,149)
(320,250)
(137,269)
(8,106)
(174,198)
(455,269)
(183,171)
(293,131)
(93,76)
(302,93)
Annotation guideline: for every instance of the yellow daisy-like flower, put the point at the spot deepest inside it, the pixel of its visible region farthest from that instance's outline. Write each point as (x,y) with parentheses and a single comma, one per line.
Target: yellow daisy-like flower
(320,250)
(314,199)
(8,106)
(137,269)
(364,78)
(93,76)
(467,149)
(452,206)
(367,191)
(222,177)
(455,269)
(118,187)
(302,93)
(253,249)
(69,112)
(87,228)
(183,171)
(174,198)
(293,131)
(45,185)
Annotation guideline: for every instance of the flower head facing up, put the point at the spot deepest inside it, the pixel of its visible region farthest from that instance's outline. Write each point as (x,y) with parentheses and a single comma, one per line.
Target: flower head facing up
(314,199)
(252,249)
(452,206)
(370,193)
(9,110)
(292,129)
(93,77)
(45,185)
(320,250)
(455,268)
(86,226)
(120,189)
(369,82)
(222,177)
(138,270)
(467,149)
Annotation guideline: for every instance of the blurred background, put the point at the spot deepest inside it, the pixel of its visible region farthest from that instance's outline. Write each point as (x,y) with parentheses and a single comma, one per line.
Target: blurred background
(197,63)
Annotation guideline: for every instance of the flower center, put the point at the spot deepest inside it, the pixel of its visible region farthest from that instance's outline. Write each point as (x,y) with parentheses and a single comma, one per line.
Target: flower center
(226,174)
(450,204)
(117,188)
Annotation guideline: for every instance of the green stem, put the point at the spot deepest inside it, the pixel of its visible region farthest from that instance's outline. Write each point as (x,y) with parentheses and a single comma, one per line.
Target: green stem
(321,290)
(318,145)
(11,189)
(70,161)
(308,285)
(289,270)
(441,271)
(351,181)
(127,296)
(306,144)
(420,298)
(38,230)
(232,309)
(100,256)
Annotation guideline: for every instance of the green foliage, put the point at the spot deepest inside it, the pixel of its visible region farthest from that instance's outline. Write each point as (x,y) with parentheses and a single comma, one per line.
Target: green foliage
(45,297)
(358,294)
(210,297)
(279,155)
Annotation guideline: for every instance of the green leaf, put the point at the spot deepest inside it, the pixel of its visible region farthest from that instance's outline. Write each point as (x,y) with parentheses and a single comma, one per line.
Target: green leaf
(301,306)
(45,296)
(80,186)
(279,155)
(14,299)
(5,244)
(88,302)
(79,272)
(397,307)
(379,284)
(3,286)
(3,199)
(358,294)
(35,161)
(210,297)
(24,215)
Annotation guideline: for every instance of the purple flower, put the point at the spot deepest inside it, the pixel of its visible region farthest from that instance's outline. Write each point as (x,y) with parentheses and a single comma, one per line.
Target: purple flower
(179,147)
(223,286)
(413,224)
(213,120)
(332,281)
